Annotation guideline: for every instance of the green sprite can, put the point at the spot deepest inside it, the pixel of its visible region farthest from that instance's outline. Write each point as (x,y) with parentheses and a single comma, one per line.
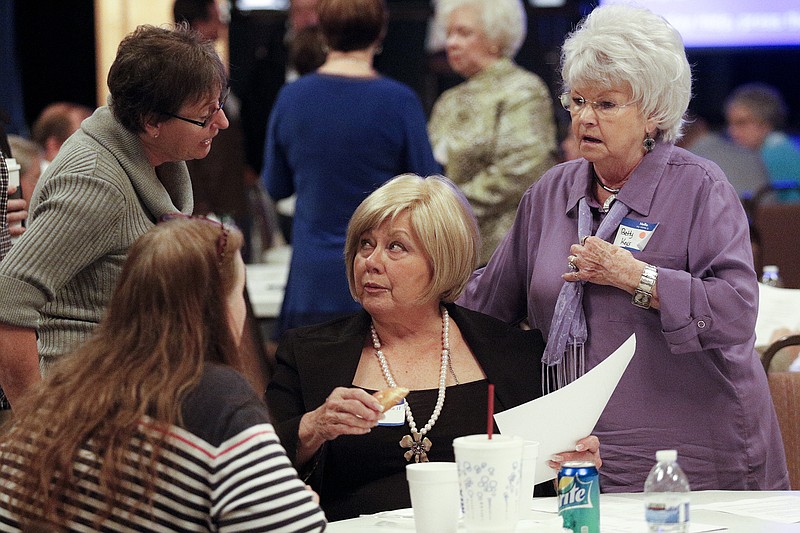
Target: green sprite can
(579,497)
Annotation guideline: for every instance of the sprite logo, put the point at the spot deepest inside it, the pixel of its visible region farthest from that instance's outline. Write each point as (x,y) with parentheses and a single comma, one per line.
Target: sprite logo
(574,493)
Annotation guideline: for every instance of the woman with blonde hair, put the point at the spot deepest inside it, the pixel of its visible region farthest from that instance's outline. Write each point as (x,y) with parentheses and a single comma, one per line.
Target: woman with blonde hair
(172,433)
(411,247)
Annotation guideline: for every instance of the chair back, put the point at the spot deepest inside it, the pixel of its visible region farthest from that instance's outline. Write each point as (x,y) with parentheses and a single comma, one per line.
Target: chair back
(777,225)
(774,215)
(785,389)
(772,350)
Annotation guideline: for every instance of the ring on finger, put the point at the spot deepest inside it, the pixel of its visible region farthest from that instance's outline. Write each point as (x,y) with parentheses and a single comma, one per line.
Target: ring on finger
(583,240)
(571,262)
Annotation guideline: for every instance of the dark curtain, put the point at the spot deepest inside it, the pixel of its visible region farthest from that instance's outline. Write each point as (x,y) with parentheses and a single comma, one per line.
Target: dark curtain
(11,103)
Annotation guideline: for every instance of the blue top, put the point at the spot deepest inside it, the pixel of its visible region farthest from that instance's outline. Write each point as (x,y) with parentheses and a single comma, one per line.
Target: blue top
(781,156)
(782,159)
(333,140)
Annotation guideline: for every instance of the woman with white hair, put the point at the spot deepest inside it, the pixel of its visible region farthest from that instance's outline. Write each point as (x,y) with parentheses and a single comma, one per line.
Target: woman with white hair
(641,237)
(495,133)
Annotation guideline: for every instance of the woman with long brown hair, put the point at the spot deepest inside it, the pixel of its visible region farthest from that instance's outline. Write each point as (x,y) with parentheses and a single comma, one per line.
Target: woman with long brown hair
(170,435)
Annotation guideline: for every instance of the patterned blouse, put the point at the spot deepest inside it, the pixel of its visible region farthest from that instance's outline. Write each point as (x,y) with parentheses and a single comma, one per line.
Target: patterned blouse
(495,135)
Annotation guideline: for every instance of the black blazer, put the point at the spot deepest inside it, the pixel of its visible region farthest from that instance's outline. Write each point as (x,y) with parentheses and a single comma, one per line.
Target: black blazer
(313,360)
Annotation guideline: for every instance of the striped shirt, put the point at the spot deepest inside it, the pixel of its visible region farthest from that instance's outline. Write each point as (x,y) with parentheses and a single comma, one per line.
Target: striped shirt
(239,480)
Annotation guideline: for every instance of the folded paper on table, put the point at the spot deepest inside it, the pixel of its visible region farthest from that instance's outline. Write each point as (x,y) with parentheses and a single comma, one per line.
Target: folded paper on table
(777,309)
(557,420)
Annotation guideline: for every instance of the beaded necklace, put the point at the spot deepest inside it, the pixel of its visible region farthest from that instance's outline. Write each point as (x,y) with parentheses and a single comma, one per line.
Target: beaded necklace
(417,443)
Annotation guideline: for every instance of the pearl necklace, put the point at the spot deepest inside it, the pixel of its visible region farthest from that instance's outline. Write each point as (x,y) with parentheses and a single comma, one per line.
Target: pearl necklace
(416,442)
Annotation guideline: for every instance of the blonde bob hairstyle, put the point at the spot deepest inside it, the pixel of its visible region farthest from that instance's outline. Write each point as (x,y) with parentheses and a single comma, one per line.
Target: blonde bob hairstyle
(504,22)
(442,220)
(625,46)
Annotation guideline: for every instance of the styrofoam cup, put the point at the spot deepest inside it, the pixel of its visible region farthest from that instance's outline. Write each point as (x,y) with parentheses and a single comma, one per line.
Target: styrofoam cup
(530,453)
(489,476)
(13,172)
(434,496)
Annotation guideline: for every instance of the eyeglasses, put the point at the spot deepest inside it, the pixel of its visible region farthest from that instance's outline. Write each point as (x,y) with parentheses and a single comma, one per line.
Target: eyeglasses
(604,108)
(222,239)
(203,123)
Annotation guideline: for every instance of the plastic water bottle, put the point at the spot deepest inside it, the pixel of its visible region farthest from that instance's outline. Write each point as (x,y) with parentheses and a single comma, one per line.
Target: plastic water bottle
(667,495)
(771,276)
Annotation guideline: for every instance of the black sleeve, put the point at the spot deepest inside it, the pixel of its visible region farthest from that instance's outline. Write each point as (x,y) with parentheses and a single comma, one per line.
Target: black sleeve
(284,396)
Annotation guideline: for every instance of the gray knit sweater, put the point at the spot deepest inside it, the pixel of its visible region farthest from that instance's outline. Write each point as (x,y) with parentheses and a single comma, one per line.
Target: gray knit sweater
(97,197)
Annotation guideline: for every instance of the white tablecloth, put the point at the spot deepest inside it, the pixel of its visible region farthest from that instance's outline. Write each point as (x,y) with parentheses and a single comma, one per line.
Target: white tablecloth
(266,282)
(539,521)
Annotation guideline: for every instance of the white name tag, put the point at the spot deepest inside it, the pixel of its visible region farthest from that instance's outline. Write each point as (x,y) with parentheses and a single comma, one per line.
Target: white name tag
(396,416)
(634,234)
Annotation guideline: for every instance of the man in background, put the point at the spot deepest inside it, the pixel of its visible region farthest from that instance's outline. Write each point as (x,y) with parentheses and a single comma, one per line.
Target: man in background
(13,211)
(269,71)
(273,67)
(202,15)
(54,125)
(221,181)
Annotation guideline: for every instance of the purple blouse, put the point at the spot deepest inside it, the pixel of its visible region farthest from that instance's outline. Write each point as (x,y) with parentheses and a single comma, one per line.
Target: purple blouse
(695,383)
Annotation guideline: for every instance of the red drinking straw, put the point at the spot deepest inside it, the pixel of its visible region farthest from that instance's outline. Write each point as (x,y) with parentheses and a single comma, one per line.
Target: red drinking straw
(490,411)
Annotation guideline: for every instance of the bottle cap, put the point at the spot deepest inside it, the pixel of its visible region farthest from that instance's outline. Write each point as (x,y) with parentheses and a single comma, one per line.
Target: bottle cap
(666,456)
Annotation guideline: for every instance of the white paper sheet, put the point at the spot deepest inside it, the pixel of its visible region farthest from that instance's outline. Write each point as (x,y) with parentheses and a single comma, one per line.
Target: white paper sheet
(784,509)
(777,309)
(557,420)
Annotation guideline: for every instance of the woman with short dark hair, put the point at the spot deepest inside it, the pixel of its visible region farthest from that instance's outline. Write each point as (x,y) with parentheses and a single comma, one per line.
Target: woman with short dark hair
(110,182)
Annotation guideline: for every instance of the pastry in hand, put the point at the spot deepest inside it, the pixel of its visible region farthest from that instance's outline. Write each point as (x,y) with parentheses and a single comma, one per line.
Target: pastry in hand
(389,397)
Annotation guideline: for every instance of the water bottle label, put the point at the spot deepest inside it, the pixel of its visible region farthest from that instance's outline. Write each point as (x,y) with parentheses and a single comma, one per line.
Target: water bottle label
(658,513)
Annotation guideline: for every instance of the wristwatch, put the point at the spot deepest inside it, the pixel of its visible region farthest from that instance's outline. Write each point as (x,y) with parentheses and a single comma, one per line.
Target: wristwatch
(644,292)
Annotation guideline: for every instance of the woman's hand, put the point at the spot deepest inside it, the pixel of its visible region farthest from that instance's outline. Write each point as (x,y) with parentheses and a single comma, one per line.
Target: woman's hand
(586,449)
(603,263)
(314,495)
(346,411)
